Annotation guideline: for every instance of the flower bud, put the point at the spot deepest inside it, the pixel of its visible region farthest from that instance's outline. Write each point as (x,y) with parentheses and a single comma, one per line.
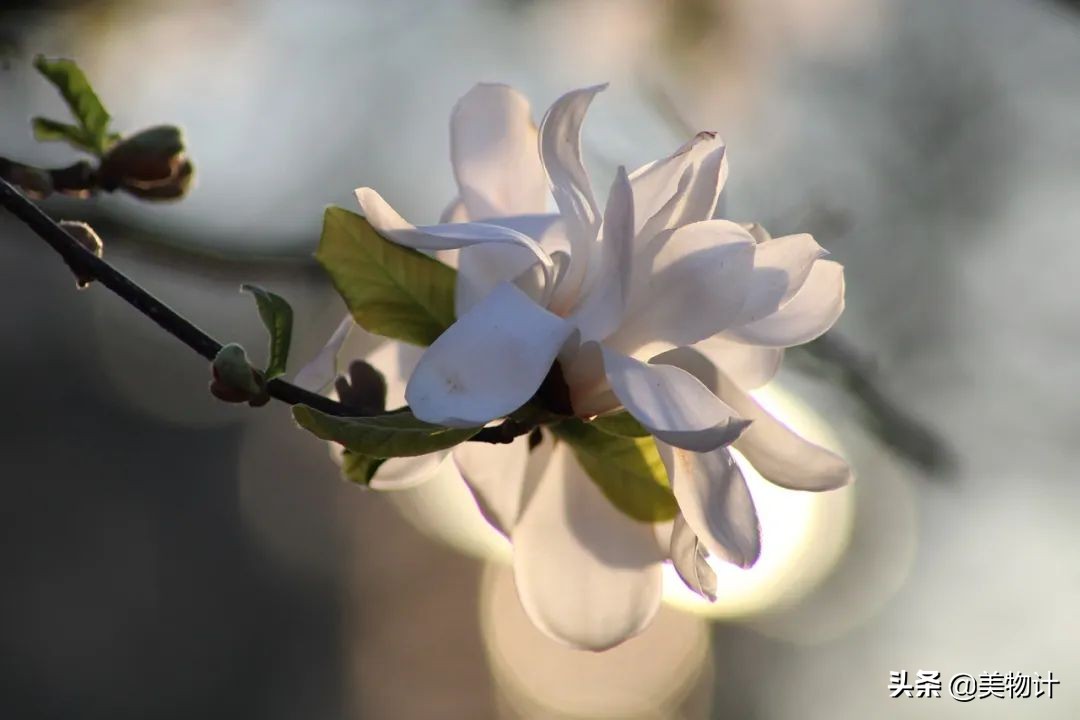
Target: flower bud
(150,165)
(89,239)
(36,183)
(234,380)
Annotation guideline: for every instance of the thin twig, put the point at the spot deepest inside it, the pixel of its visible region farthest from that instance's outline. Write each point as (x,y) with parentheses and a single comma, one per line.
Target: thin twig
(831,355)
(85,264)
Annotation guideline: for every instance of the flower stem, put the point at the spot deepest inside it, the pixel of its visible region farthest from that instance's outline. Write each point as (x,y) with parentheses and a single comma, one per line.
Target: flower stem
(85,264)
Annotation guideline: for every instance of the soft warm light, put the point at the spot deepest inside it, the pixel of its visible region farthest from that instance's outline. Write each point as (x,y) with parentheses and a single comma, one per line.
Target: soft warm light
(650,676)
(803,534)
(444,509)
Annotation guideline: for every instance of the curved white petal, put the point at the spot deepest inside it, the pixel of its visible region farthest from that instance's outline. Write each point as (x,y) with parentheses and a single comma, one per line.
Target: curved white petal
(545,228)
(399,473)
(587,575)
(781,267)
(689,284)
(672,404)
(680,189)
(812,311)
(703,192)
(602,309)
(758,231)
(455,212)
(583,371)
(715,501)
(403,473)
(449,236)
(751,366)
(317,374)
(688,556)
(662,530)
(396,361)
(482,268)
(493,152)
(495,474)
(489,362)
(560,154)
(777,452)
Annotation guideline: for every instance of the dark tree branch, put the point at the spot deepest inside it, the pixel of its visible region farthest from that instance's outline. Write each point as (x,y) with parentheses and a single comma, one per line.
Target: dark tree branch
(85,264)
(833,356)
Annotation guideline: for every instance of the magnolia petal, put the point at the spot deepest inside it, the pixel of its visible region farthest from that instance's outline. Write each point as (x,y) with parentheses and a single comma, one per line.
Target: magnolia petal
(672,404)
(495,474)
(560,154)
(813,310)
(493,152)
(715,501)
(317,374)
(781,267)
(407,472)
(545,228)
(688,556)
(688,285)
(489,362)
(704,189)
(449,236)
(482,268)
(583,371)
(665,218)
(602,309)
(751,366)
(757,231)
(455,212)
(777,452)
(401,473)
(681,188)
(662,531)
(587,575)
(396,361)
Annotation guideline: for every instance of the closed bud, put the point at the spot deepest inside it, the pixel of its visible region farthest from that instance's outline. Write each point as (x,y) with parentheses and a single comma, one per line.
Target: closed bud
(234,380)
(85,236)
(34,182)
(150,165)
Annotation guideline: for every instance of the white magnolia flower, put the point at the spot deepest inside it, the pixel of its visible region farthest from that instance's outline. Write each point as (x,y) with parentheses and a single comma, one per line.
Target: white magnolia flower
(649,305)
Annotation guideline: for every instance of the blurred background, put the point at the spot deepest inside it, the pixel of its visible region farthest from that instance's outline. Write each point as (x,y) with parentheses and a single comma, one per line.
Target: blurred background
(164,555)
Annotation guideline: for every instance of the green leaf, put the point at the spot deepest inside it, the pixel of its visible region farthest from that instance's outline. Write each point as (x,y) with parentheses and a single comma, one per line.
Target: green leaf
(359,468)
(621,423)
(277,316)
(390,290)
(47,130)
(84,104)
(628,471)
(397,434)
